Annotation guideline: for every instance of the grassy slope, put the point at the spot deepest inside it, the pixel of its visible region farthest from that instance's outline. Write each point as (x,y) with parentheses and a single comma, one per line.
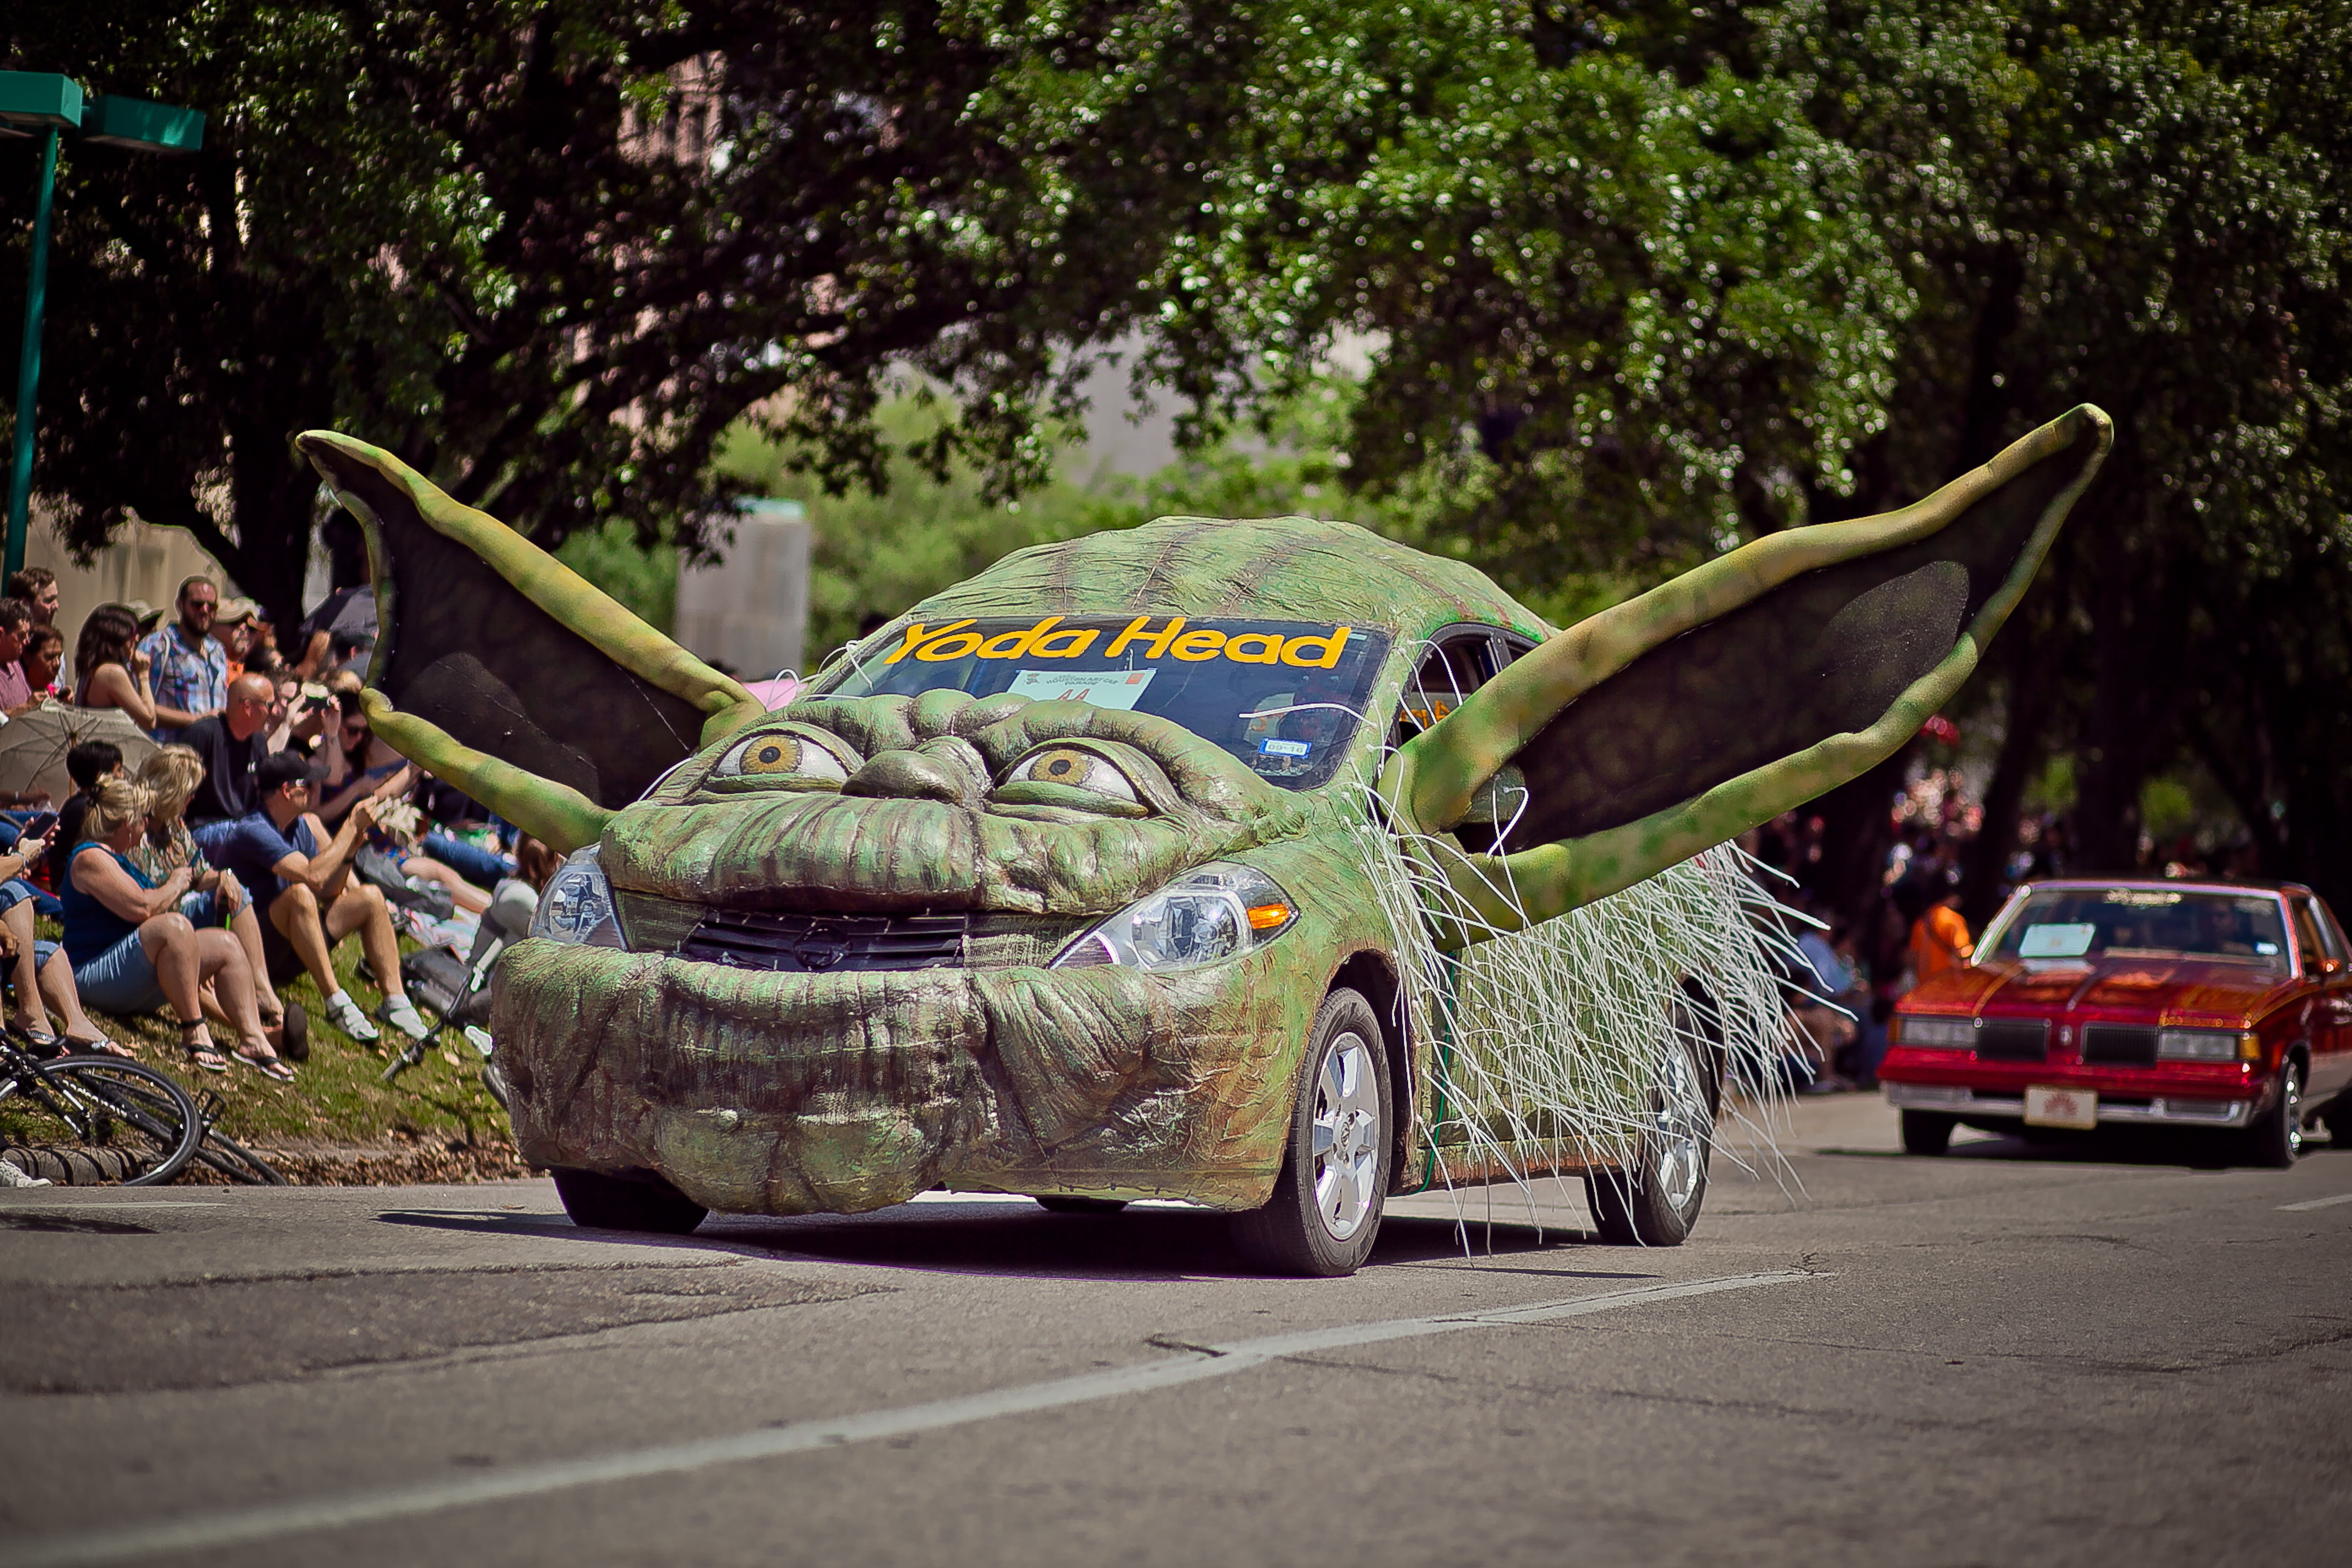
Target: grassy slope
(336,1097)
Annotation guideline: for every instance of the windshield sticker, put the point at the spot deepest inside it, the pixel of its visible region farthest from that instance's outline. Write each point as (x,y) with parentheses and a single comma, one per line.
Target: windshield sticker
(1286,748)
(2266,949)
(1120,689)
(2057,941)
(2141,897)
(1139,639)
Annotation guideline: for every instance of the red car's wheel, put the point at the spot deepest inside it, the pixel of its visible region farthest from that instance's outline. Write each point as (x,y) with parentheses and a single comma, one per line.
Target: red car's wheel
(2276,1138)
(1925,1133)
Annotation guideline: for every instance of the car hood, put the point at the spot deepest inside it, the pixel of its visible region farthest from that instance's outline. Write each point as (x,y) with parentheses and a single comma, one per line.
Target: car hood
(2150,986)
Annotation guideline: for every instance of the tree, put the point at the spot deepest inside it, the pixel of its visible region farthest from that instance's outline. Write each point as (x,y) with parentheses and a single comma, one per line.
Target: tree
(550,253)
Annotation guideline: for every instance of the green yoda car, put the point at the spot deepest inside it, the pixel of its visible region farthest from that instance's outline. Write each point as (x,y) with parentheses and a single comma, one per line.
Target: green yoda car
(1081,878)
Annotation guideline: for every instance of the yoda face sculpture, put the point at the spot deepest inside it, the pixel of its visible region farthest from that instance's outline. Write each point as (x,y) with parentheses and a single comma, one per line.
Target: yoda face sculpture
(1046,887)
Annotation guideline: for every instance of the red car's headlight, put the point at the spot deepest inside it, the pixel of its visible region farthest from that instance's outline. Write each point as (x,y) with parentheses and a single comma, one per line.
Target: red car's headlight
(2208,1044)
(1938,1034)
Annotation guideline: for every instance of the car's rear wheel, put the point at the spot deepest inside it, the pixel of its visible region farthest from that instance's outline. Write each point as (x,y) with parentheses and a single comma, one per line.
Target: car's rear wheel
(1925,1133)
(640,1201)
(1060,1204)
(1656,1201)
(2275,1137)
(1326,1208)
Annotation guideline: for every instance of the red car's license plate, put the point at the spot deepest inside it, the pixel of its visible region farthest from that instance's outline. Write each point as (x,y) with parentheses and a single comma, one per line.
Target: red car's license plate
(2061,1108)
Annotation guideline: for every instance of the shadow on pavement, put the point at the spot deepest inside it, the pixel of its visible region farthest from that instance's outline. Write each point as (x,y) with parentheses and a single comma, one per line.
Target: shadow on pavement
(2193,1150)
(1017,1238)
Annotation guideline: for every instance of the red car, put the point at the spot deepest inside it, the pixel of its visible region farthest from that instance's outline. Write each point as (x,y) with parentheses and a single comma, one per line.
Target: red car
(2225,1007)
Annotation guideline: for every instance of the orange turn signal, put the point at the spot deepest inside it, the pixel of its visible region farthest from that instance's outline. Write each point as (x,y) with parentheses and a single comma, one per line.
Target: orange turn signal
(1265,917)
(2250,1046)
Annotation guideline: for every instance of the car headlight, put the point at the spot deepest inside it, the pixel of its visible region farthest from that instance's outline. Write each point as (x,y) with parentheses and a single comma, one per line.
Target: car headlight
(2206,1045)
(1946,1034)
(1209,914)
(577,905)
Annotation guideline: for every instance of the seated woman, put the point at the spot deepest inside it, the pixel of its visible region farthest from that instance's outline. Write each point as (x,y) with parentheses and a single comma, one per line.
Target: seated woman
(215,898)
(108,669)
(44,655)
(132,949)
(40,970)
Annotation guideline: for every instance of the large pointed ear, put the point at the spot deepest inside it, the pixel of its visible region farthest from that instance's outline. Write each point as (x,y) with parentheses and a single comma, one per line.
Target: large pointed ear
(1740,690)
(504,671)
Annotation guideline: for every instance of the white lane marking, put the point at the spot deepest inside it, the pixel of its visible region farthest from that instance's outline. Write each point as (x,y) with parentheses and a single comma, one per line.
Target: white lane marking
(2316,1203)
(54,1206)
(238,1527)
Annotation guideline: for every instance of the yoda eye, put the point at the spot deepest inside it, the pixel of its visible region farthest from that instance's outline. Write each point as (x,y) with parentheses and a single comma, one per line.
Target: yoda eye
(780,757)
(1074,769)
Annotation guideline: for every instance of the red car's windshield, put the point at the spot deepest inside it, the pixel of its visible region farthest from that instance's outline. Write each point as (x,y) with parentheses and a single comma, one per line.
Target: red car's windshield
(2143,922)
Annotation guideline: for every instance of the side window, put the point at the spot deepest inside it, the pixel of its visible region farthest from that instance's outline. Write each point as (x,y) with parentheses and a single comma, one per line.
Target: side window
(2306,935)
(1460,660)
(2331,935)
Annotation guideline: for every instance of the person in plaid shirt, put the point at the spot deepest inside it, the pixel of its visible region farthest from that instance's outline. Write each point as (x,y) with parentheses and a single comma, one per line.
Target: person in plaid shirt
(190,671)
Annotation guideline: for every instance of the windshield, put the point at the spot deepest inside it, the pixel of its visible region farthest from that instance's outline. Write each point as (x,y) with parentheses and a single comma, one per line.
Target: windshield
(2144,922)
(1284,696)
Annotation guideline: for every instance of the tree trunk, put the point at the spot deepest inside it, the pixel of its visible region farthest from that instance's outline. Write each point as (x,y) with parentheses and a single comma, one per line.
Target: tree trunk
(2030,705)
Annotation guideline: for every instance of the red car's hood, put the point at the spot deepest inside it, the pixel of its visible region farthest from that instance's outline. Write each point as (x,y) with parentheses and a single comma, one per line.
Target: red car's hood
(2136,987)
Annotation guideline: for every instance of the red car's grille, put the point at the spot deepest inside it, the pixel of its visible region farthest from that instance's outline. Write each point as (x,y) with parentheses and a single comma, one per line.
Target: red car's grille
(2012,1039)
(2119,1045)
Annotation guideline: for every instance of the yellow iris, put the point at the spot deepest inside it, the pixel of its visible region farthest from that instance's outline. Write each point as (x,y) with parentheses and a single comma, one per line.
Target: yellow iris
(1063,767)
(775,754)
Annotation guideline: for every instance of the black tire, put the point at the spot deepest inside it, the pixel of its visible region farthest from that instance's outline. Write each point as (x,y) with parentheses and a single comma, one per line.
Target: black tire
(1344,1094)
(2338,1117)
(140,1117)
(1927,1131)
(1656,1202)
(237,1162)
(2274,1138)
(640,1201)
(1060,1204)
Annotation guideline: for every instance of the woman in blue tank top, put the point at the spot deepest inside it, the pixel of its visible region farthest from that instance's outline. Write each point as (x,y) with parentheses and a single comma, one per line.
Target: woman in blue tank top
(133,951)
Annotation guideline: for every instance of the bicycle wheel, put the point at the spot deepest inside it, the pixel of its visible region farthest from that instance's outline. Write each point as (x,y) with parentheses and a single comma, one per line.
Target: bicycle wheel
(237,1162)
(132,1122)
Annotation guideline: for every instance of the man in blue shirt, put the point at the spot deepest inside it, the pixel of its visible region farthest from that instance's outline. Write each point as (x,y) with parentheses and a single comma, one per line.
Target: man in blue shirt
(189,669)
(300,879)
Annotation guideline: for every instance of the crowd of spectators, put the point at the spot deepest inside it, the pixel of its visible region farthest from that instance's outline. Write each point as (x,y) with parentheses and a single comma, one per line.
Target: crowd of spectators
(261,827)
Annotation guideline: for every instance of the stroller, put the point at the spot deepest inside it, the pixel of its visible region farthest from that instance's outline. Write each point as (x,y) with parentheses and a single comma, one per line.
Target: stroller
(451,992)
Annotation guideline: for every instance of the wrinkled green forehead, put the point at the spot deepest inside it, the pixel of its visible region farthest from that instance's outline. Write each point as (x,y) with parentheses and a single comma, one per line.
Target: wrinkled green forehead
(1282,568)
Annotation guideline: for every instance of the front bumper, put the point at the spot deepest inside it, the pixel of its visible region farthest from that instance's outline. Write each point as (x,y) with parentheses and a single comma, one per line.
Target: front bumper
(2130,1110)
(763,1093)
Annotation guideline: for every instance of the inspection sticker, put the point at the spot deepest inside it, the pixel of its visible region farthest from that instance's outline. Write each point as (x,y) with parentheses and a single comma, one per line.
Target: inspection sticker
(1286,748)
(1101,688)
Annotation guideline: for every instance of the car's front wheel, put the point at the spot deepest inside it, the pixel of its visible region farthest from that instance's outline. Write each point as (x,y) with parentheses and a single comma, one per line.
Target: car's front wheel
(1927,1133)
(1326,1208)
(641,1201)
(2276,1138)
(1656,1202)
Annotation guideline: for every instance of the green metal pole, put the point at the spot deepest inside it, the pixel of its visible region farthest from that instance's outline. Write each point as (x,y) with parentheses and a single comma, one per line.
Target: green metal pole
(28,363)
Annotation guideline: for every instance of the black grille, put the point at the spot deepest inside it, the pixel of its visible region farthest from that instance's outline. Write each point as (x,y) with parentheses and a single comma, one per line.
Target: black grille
(2013,1039)
(2119,1045)
(820,944)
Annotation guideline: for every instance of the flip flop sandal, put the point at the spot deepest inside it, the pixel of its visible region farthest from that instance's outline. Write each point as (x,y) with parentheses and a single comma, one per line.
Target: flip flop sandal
(268,1066)
(100,1046)
(196,1054)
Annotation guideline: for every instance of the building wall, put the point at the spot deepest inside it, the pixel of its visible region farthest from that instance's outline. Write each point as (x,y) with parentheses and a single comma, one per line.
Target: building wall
(144,565)
(749,611)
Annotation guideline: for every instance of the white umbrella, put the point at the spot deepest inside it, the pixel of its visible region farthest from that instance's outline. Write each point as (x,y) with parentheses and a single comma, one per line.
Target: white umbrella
(33,746)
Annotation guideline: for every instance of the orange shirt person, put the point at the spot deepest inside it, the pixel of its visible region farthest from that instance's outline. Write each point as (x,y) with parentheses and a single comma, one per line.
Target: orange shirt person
(1940,939)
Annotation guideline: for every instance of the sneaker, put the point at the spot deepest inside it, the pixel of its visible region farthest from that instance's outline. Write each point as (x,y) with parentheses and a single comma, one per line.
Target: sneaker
(345,1015)
(10,1176)
(402,1014)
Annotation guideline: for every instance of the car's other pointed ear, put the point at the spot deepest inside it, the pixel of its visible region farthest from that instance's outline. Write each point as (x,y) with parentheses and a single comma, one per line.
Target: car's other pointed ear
(491,642)
(1749,685)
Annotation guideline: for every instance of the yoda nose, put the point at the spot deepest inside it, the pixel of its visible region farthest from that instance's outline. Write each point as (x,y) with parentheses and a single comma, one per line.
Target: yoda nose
(910,775)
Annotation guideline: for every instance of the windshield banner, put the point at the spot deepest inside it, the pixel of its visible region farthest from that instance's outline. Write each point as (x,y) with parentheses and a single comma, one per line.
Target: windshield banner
(1139,639)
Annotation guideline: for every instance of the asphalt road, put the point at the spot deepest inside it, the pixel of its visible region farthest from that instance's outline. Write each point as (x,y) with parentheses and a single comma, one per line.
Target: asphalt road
(2011,1354)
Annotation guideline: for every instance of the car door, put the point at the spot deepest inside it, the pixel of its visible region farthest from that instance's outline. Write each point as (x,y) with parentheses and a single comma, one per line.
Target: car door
(2331,1023)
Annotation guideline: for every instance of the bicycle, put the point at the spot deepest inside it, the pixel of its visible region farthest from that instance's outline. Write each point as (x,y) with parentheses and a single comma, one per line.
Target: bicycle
(130,1121)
